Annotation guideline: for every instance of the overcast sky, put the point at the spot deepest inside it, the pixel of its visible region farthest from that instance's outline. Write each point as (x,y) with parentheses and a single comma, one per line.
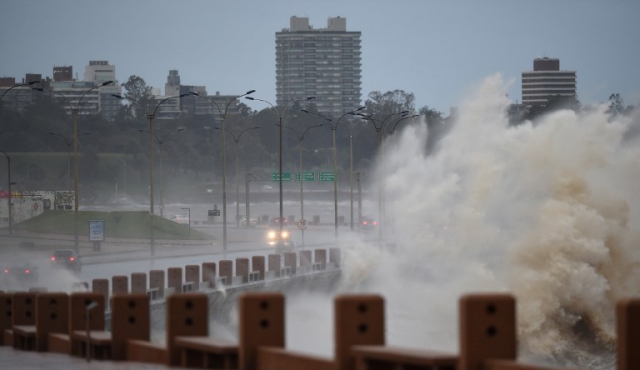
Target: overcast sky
(433,49)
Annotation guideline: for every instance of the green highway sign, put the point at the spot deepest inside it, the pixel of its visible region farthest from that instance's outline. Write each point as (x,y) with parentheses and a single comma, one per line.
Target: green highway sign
(306,176)
(326,176)
(286,176)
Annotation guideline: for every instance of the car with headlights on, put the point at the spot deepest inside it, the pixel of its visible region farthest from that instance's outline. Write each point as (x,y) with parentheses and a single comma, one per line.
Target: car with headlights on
(282,241)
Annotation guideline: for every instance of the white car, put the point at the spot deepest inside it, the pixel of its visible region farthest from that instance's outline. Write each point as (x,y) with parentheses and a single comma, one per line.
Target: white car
(181,219)
(251,222)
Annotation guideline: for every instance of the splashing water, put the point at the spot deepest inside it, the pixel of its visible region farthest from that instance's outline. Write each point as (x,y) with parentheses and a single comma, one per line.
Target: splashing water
(544,210)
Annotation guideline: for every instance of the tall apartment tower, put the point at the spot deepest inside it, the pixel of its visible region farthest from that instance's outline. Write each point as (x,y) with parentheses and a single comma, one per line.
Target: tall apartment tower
(545,81)
(100,71)
(325,63)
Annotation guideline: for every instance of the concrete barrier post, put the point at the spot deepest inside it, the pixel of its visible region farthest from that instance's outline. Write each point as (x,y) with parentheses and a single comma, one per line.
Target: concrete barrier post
(305,260)
(261,324)
(242,269)
(487,329)
(334,257)
(320,258)
(187,315)
(257,264)
(101,286)
(119,284)
(23,307)
(52,316)
(290,261)
(628,333)
(5,315)
(226,271)
(130,319)
(156,281)
(192,275)
(359,320)
(174,279)
(139,282)
(209,274)
(274,264)
(78,320)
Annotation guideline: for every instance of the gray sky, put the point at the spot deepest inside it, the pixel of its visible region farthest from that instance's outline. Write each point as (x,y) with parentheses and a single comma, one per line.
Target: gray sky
(434,49)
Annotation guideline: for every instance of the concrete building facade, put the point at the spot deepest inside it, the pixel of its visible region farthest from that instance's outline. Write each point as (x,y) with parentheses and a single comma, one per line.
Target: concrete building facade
(100,71)
(325,63)
(546,81)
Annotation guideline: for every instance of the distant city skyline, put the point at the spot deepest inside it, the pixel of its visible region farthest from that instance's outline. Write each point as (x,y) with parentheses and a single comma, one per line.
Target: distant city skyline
(436,50)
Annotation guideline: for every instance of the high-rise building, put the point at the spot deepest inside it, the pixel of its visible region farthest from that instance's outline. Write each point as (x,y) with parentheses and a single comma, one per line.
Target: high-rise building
(547,81)
(325,63)
(63,73)
(19,98)
(100,71)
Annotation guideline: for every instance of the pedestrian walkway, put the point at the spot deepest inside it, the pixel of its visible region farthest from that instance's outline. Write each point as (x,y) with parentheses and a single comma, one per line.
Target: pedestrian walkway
(12,359)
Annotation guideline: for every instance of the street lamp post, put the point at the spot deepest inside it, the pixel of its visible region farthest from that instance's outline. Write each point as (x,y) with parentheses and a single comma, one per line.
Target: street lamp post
(223,116)
(237,141)
(300,140)
(66,141)
(350,177)
(6,155)
(74,113)
(160,142)
(281,125)
(334,128)
(9,182)
(189,210)
(378,128)
(150,117)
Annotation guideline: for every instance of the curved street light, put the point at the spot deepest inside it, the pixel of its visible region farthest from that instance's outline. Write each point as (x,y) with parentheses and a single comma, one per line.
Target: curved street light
(6,155)
(300,138)
(334,128)
(237,141)
(393,128)
(223,116)
(9,182)
(160,142)
(18,85)
(378,127)
(74,111)
(281,125)
(150,117)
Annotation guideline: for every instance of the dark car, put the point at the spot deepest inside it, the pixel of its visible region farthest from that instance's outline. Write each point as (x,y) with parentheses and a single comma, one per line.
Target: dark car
(368,224)
(275,222)
(66,258)
(20,272)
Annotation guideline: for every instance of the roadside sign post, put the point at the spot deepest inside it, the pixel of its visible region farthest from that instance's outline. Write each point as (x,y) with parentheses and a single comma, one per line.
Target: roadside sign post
(96,233)
(302,225)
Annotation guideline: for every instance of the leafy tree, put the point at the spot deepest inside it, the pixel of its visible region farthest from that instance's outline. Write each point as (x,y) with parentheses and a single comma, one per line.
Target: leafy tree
(137,89)
(381,105)
(616,105)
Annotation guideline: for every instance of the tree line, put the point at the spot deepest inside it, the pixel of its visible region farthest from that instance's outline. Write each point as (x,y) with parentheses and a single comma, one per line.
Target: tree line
(189,148)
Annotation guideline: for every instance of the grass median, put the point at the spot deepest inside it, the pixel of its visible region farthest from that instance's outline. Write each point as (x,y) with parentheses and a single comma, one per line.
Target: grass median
(129,225)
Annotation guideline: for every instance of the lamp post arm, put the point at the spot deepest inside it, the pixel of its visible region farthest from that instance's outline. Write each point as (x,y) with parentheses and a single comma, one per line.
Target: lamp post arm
(309,128)
(17,85)
(237,97)
(245,130)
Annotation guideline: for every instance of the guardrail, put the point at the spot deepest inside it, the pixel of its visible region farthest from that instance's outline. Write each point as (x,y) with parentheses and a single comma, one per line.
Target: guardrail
(487,340)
